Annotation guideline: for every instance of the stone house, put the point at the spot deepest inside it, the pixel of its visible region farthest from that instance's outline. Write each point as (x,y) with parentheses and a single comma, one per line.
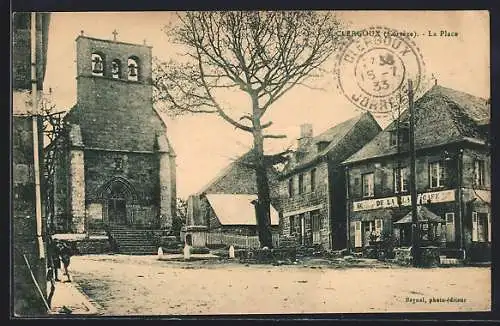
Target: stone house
(224,205)
(311,186)
(453,177)
(115,164)
(24,244)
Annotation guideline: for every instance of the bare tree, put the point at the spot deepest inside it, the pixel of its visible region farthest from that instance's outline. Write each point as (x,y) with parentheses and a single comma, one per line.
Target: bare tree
(263,55)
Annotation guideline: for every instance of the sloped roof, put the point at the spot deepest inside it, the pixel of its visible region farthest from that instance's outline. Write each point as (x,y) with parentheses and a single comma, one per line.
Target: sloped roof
(423,215)
(120,128)
(237,209)
(333,136)
(442,116)
(241,170)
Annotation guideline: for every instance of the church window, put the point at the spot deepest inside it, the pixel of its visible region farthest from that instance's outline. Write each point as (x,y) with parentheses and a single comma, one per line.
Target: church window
(97,65)
(118,164)
(116,68)
(133,69)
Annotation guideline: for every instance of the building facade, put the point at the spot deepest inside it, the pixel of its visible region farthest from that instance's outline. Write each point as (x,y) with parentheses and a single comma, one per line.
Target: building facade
(453,178)
(311,186)
(25,249)
(115,163)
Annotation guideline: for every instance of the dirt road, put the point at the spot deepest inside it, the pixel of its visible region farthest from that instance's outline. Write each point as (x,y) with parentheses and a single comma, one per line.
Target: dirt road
(142,285)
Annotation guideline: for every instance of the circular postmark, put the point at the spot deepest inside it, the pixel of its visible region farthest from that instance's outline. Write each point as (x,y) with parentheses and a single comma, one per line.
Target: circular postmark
(373,68)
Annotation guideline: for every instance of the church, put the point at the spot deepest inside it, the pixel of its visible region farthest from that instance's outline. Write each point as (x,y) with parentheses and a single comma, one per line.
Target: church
(114,165)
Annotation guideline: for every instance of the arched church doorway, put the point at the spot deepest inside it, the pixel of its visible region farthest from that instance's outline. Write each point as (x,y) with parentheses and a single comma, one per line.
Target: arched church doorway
(117,196)
(117,208)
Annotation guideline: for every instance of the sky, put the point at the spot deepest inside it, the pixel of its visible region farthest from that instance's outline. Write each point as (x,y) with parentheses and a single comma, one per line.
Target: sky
(205,144)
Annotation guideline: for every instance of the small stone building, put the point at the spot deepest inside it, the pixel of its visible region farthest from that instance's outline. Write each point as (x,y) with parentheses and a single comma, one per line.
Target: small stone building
(115,164)
(312,185)
(225,205)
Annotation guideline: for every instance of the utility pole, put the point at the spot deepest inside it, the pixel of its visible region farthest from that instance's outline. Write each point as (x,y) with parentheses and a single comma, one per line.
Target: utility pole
(36,141)
(415,234)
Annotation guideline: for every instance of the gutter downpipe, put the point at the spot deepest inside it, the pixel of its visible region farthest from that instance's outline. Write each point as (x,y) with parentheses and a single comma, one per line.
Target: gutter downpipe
(347,209)
(460,200)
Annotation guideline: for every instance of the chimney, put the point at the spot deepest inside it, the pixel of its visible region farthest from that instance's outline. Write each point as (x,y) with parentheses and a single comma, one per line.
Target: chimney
(306,135)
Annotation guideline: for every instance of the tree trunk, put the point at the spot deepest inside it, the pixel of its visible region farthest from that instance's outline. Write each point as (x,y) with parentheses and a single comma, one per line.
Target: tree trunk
(263,205)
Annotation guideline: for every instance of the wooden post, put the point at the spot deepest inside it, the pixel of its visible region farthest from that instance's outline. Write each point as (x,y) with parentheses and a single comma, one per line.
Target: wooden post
(415,235)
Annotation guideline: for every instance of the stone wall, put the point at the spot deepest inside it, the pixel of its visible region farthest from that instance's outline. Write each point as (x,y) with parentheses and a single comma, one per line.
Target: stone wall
(77,190)
(27,300)
(167,189)
(110,51)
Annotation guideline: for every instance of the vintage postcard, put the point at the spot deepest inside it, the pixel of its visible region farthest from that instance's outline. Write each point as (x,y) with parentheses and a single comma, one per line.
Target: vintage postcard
(250,163)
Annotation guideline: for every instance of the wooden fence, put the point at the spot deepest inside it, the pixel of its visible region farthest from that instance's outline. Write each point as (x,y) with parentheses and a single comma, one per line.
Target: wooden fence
(244,241)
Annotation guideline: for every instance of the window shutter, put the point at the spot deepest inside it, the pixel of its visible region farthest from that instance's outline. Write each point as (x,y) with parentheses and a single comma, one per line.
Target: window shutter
(357,234)
(489,227)
(474,226)
(450,227)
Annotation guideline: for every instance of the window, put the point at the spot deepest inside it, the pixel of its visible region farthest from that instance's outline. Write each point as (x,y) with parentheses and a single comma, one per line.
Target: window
(400,179)
(97,65)
(290,187)
(116,68)
(479,173)
(436,175)
(394,138)
(301,183)
(481,227)
(322,145)
(292,225)
(379,229)
(313,180)
(133,69)
(402,137)
(367,185)
(118,164)
(425,232)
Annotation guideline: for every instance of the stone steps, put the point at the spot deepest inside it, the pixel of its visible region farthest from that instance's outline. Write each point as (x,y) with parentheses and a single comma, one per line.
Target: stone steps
(443,260)
(134,242)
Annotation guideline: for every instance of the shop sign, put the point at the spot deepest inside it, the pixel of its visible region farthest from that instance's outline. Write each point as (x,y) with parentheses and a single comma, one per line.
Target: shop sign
(390,202)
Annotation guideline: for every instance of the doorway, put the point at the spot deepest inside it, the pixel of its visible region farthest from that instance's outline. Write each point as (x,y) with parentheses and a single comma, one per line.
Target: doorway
(117,211)
(117,200)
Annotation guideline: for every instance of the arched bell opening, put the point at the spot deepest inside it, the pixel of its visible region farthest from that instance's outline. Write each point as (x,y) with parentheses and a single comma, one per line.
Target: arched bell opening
(97,64)
(133,68)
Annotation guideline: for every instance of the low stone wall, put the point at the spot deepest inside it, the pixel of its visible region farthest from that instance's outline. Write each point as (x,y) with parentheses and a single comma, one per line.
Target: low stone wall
(90,246)
(263,256)
(403,256)
(429,256)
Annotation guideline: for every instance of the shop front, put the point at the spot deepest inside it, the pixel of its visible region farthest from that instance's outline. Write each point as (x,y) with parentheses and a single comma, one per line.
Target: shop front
(438,214)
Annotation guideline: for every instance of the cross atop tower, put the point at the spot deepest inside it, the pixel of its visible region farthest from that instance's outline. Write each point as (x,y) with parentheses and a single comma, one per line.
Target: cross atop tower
(114,34)
(433,77)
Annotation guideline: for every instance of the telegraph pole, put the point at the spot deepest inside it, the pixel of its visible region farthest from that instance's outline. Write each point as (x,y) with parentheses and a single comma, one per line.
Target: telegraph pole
(36,148)
(415,234)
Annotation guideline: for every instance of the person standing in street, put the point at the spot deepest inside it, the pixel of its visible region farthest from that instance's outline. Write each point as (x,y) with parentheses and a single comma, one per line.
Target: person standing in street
(65,253)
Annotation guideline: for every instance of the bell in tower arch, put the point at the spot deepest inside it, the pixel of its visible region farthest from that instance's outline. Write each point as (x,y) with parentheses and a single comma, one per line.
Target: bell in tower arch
(132,69)
(97,64)
(115,68)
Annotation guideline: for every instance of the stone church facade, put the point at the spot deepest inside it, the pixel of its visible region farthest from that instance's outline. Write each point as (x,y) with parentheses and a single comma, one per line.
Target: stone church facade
(115,163)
